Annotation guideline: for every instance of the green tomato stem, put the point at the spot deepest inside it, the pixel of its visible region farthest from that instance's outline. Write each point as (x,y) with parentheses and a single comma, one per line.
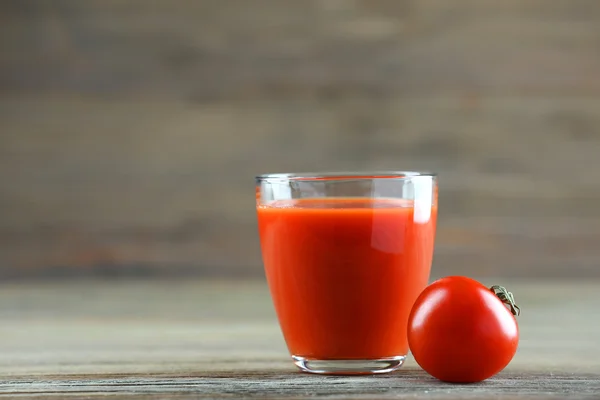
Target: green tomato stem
(507,298)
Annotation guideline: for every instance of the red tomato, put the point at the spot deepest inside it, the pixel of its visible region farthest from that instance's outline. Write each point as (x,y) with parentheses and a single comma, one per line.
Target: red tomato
(462,331)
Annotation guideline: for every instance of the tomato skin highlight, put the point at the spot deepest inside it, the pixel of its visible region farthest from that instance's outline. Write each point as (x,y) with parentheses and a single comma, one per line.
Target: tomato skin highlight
(460,331)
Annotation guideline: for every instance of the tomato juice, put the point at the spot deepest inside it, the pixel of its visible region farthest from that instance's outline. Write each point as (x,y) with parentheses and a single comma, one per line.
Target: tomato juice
(345,272)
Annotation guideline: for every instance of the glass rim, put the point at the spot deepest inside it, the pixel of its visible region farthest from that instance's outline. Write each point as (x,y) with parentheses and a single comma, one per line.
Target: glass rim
(310,176)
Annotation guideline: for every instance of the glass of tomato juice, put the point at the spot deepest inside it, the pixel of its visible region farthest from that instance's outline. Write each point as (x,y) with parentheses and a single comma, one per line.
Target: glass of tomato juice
(345,256)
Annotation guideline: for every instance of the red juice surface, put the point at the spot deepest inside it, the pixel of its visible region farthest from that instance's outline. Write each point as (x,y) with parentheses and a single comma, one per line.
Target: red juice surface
(344,273)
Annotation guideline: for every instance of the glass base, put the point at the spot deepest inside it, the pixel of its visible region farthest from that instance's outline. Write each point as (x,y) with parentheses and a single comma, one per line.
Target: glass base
(349,367)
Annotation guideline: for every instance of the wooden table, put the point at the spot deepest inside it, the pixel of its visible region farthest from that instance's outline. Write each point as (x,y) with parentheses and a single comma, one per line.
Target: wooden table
(221,340)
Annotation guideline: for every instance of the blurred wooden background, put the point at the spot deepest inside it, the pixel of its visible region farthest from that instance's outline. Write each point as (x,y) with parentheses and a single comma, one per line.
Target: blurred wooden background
(130,131)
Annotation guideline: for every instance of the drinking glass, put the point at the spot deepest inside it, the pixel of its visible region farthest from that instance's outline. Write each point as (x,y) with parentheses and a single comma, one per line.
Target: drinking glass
(345,256)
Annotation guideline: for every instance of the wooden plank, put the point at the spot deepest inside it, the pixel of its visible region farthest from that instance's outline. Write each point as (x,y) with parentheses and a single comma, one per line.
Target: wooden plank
(114,187)
(216,339)
(405,385)
(206,51)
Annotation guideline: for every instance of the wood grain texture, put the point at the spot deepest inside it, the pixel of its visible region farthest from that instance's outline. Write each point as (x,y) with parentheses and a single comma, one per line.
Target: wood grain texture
(130,132)
(216,339)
